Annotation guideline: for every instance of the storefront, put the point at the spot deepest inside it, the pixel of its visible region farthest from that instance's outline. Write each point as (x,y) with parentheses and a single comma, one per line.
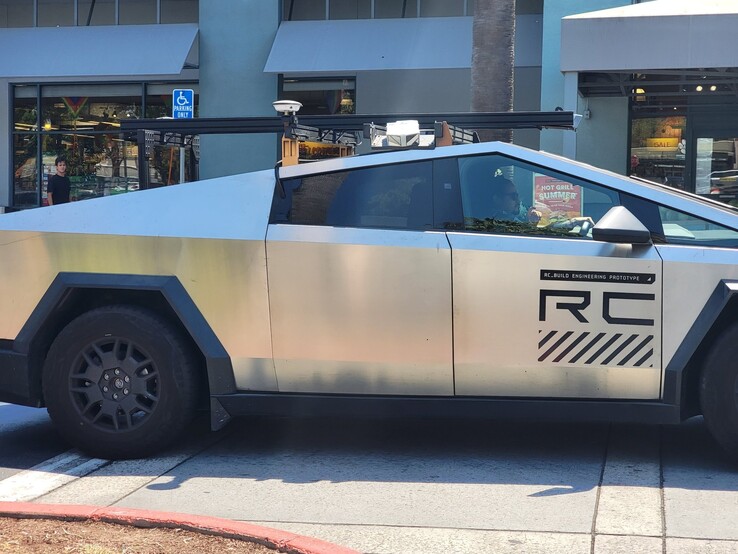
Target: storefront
(673,65)
(64,107)
(82,123)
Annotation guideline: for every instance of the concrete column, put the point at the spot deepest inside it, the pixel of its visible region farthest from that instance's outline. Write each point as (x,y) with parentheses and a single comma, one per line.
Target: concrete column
(236,37)
(6,174)
(571,93)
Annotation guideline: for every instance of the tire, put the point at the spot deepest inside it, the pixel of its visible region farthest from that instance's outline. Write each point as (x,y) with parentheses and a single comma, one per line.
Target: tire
(719,391)
(120,382)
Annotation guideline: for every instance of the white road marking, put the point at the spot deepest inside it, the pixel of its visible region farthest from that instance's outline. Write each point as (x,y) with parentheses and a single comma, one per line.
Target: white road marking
(48,476)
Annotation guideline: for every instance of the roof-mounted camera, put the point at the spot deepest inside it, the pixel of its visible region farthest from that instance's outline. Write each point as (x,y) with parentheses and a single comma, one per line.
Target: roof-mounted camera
(286,107)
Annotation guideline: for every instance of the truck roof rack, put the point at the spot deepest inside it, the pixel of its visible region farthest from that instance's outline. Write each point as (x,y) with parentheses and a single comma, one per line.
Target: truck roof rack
(333,135)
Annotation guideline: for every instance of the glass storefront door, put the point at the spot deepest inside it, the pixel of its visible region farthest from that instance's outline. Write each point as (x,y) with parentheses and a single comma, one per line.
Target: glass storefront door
(715,163)
(716,167)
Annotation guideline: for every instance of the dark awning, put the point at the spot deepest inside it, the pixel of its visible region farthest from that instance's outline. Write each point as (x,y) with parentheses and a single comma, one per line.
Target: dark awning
(115,50)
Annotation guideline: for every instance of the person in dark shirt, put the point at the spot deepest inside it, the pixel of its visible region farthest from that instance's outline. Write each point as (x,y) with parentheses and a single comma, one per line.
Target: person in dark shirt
(59,184)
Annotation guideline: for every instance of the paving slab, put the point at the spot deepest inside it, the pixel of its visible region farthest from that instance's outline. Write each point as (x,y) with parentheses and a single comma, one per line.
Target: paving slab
(700,485)
(692,546)
(492,479)
(408,540)
(630,497)
(620,544)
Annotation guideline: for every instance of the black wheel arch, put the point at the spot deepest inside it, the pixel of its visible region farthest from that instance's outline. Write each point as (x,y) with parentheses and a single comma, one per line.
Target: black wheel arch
(682,375)
(71,294)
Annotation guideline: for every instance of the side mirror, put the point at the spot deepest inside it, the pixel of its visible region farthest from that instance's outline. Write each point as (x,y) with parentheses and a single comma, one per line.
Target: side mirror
(620,226)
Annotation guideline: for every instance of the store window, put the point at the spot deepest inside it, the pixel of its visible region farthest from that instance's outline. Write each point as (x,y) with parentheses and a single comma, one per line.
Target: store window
(441,8)
(97,12)
(350,9)
(658,149)
(61,13)
(89,107)
(137,12)
(159,99)
(385,9)
(82,123)
(25,170)
(303,10)
(180,11)
(16,13)
(321,96)
(55,13)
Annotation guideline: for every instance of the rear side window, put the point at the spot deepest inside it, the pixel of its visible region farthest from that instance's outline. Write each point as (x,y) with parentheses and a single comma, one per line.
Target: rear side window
(386,197)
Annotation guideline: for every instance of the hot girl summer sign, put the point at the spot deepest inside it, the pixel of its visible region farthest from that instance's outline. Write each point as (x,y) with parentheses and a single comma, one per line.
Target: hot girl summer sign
(556,199)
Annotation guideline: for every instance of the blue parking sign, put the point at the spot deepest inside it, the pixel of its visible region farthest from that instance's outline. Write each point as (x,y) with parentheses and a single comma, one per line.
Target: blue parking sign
(183,103)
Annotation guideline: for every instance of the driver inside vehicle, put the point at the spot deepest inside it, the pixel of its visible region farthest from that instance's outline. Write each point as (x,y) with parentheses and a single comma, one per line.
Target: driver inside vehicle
(506,206)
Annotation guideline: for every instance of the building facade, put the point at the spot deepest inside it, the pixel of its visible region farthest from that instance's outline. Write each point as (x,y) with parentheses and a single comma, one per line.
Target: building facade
(662,111)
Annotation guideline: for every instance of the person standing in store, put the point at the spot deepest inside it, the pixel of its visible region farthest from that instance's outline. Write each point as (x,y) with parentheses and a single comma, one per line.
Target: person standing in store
(59,184)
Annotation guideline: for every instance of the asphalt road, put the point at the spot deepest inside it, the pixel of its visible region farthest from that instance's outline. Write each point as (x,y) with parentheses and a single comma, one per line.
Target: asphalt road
(389,486)
(27,437)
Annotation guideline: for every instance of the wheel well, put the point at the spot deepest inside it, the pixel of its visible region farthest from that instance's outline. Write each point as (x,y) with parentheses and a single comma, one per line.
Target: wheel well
(690,389)
(76,301)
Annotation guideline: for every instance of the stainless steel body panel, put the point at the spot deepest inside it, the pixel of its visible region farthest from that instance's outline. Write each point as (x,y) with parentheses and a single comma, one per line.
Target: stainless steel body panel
(498,303)
(360,311)
(224,271)
(691,274)
(369,311)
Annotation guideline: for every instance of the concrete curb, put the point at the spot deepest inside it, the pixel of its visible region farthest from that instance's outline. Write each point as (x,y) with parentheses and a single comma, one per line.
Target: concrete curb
(282,541)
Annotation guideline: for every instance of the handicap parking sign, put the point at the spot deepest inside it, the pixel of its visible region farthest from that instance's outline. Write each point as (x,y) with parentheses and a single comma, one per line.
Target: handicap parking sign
(183,103)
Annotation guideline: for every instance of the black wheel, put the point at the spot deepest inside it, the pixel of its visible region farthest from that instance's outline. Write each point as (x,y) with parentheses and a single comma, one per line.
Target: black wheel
(719,391)
(120,382)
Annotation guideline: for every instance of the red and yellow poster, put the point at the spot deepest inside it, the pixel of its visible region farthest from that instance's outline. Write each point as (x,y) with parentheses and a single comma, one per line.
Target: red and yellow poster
(556,199)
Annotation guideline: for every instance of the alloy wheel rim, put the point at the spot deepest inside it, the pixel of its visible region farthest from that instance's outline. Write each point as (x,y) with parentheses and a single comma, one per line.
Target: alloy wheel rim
(114,385)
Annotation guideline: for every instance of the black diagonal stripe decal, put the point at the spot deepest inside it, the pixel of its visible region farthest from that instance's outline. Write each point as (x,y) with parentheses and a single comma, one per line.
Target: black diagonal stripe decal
(619,349)
(604,347)
(637,349)
(571,347)
(586,348)
(546,339)
(645,358)
(556,345)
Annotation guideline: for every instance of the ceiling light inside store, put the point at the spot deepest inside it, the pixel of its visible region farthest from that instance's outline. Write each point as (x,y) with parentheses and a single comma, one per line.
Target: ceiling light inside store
(713,88)
(698,88)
